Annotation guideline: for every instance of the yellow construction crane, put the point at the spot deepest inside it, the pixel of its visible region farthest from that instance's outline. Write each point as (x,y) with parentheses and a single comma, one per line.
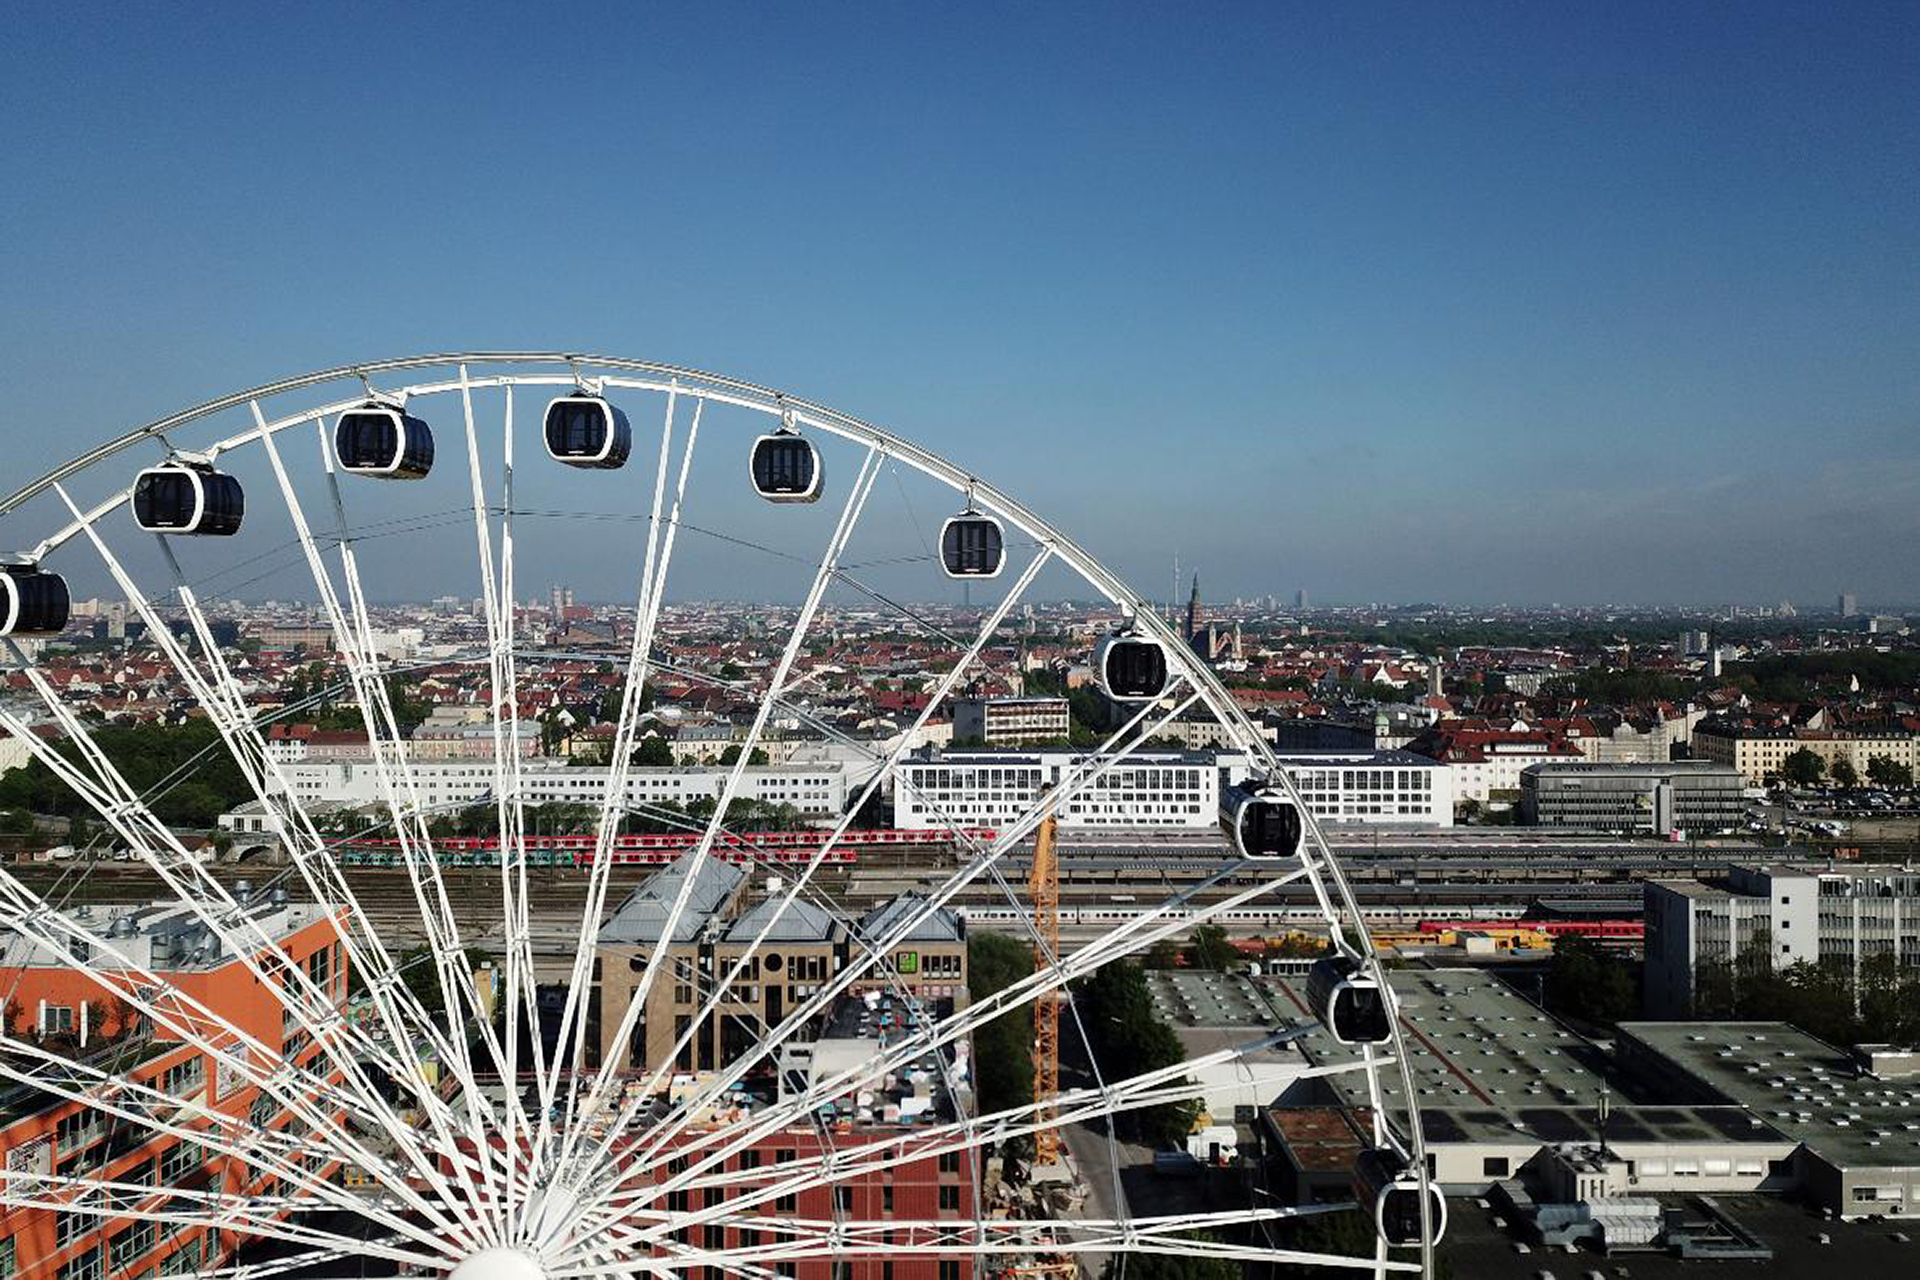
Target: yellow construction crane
(1043,886)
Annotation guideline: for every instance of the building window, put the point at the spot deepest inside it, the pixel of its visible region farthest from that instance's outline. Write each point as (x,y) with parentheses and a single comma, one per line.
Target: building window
(949,1162)
(949,1269)
(949,1197)
(84,1267)
(1494,1166)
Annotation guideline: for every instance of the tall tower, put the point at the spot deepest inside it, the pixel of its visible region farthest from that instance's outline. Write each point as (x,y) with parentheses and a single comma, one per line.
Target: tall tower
(1193,611)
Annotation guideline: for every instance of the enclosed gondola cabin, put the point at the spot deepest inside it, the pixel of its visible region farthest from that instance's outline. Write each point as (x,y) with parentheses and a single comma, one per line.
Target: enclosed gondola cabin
(380,441)
(1259,823)
(786,468)
(1348,1001)
(972,546)
(33,602)
(1131,668)
(1390,1187)
(189,499)
(587,431)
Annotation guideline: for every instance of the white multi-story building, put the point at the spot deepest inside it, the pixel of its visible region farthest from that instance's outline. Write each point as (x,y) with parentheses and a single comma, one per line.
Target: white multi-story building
(1010,722)
(1165,788)
(1374,788)
(994,788)
(1779,915)
(818,790)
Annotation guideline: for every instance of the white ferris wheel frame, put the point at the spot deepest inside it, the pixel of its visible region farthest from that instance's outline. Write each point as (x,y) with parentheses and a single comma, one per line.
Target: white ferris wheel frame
(443,1202)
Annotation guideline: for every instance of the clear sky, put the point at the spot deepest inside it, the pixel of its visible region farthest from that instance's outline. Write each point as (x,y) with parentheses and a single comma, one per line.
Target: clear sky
(1463,303)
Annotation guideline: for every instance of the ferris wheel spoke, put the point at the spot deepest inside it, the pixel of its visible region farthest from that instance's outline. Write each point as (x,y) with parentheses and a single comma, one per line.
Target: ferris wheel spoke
(300,1260)
(513,886)
(153,1110)
(653,578)
(253,1214)
(721,1144)
(887,764)
(110,796)
(1165,1085)
(248,751)
(1103,762)
(416,851)
(843,531)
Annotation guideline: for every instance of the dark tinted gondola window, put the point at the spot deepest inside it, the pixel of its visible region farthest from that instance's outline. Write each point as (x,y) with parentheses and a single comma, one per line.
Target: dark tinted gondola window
(1400,1216)
(972,547)
(1270,827)
(1360,1016)
(783,465)
(576,429)
(1136,669)
(368,441)
(44,604)
(225,504)
(164,500)
(419,453)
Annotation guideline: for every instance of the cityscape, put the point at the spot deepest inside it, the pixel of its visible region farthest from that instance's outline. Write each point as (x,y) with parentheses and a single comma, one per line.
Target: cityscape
(960,644)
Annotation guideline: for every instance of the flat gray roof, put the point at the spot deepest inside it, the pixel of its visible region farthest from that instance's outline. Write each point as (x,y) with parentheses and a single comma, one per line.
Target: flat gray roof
(1489,1066)
(1799,1084)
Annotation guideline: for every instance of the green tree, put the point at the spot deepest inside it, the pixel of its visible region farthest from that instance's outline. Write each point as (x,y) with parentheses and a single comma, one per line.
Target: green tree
(1128,1037)
(1210,949)
(1885,771)
(1003,1048)
(1585,979)
(653,751)
(732,755)
(1171,1266)
(1803,768)
(1844,774)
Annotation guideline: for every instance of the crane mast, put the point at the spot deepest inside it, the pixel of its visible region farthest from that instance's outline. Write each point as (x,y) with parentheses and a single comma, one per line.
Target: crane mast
(1043,887)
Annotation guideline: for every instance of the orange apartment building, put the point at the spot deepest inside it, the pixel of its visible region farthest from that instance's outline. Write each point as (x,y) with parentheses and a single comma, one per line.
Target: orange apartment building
(75,1015)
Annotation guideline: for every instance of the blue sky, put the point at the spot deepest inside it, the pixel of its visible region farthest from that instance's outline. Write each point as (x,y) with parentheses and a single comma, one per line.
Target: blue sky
(1474,303)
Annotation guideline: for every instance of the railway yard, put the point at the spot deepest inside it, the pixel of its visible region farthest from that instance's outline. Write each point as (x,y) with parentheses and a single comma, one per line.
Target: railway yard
(1401,882)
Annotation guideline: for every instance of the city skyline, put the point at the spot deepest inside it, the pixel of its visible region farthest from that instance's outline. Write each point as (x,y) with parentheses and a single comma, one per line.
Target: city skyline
(1522,307)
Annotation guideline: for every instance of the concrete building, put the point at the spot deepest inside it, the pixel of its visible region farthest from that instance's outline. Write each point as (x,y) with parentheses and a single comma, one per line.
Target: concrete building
(806,946)
(1486,763)
(816,790)
(1677,795)
(1373,788)
(1010,722)
(1501,1084)
(72,1014)
(992,788)
(1854,1117)
(1760,754)
(1166,788)
(1778,914)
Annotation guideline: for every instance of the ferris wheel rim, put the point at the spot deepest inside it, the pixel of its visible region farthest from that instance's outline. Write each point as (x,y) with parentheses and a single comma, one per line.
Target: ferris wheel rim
(888,444)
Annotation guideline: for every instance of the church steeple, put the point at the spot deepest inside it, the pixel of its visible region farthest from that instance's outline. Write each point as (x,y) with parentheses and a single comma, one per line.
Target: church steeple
(1193,610)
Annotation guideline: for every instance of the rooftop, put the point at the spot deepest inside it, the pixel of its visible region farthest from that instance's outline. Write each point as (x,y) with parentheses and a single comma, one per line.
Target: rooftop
(642,918)
(1806,1088)
(1489,1066)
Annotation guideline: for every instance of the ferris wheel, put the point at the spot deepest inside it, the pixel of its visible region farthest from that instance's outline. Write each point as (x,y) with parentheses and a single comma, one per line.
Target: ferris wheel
(516,1054)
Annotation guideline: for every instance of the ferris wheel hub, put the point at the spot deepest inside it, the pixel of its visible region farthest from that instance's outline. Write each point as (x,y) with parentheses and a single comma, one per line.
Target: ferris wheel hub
(499,1263)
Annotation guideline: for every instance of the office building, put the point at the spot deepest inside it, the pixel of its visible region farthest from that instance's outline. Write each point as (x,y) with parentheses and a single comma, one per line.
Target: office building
(1854,1117)
(1010,722)
(90,1022)
(806,946)
(1848,605)
(1164,788)
(1679,795)
(1760,753)
(1501,1087)
(815,790)
(1775,915)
